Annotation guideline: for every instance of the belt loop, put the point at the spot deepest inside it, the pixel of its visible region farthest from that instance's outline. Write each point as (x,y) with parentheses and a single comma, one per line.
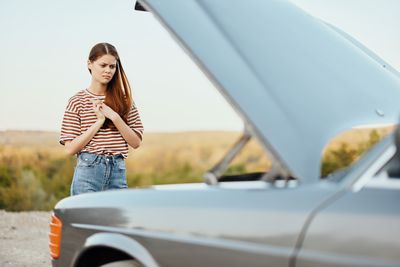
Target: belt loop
(95,159)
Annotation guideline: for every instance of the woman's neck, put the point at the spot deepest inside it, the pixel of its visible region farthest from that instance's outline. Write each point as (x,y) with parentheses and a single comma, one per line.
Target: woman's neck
(97,88)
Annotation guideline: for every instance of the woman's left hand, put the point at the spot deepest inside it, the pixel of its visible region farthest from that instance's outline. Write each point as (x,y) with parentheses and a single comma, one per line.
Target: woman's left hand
(109,112)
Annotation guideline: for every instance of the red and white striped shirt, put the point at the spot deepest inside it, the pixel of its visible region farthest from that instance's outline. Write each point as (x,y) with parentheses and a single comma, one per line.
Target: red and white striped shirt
(79,116)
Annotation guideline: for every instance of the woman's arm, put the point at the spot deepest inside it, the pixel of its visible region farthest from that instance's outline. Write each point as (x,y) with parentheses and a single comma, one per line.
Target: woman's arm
(127,133)
(76,145)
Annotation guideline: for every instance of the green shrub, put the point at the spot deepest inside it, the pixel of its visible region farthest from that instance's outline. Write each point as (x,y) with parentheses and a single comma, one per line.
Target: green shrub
(344,156)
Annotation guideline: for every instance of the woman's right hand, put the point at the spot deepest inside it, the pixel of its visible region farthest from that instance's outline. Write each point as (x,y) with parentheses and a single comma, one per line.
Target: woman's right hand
(97,110)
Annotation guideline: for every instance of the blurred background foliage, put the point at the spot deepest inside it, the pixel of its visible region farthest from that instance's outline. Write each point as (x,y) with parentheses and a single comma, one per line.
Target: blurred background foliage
(35,172)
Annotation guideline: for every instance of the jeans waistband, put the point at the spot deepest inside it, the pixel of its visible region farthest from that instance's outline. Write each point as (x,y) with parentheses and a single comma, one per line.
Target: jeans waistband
(99,157)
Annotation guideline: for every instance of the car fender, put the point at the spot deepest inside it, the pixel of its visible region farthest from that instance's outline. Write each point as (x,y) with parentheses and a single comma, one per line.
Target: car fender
(123,244)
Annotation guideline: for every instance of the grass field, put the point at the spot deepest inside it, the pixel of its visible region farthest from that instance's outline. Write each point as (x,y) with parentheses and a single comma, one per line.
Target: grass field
(35,172)
(159,150)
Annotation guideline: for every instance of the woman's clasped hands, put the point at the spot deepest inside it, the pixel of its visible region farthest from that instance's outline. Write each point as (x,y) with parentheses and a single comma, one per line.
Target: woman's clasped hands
(103,111)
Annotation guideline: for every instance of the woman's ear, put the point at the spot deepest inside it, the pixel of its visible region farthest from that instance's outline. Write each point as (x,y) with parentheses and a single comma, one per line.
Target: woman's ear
(89,66)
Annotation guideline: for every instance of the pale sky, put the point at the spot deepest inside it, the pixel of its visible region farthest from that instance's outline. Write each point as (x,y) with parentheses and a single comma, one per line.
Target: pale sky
(45,45)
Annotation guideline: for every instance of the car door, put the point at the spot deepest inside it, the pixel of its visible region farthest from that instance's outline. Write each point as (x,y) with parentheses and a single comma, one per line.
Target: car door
(222,226)
(361,228)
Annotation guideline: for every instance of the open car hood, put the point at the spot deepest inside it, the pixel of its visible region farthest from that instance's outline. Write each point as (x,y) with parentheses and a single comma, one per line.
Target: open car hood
(294,80)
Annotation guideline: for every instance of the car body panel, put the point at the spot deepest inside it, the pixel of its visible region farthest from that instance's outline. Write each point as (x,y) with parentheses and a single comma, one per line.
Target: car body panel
(341,234)
(295,80)
(121,243)
(255,225)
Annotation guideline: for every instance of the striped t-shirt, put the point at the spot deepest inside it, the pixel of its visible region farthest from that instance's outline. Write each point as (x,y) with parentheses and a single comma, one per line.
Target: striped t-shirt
(79,116)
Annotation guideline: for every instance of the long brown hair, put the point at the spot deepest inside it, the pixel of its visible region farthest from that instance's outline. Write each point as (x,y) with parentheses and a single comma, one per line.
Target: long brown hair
(118,94)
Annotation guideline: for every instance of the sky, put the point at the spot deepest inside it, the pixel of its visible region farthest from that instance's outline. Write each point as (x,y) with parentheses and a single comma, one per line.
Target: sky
(45,45)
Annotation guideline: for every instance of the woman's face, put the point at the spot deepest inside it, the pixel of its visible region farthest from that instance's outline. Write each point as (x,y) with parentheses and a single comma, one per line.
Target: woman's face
(103,68)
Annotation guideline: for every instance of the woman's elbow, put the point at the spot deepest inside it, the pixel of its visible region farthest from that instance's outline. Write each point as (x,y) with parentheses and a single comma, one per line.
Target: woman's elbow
(136,141)
(136,145)
(70,151)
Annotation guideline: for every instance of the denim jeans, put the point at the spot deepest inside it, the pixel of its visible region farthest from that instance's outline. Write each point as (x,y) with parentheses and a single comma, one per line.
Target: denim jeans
(95,172)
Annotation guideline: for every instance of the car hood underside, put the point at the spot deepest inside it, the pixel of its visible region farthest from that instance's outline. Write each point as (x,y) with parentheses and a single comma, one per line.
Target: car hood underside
(296,81)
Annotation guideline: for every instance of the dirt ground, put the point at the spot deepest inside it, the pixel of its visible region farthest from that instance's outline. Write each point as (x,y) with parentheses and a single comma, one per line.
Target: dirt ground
(24,239)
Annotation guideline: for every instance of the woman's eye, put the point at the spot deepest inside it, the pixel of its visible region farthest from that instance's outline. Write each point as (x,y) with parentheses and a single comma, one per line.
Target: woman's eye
(112,67)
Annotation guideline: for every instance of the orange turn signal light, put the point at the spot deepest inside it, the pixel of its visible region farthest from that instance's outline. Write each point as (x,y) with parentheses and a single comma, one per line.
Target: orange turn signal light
(55,236)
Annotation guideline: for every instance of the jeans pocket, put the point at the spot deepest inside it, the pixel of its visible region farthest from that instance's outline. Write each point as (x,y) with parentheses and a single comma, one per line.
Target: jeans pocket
(87,160)
(121,164)
(86,179)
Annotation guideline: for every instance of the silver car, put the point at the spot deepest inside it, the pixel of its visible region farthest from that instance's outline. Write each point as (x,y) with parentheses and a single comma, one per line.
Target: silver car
(296,82)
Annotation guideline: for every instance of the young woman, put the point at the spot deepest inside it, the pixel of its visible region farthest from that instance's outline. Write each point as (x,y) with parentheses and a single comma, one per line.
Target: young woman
(99,123)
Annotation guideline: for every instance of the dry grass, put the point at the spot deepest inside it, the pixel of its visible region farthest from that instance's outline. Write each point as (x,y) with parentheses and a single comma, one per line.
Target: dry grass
(160,151)
(356,136)
(35,172)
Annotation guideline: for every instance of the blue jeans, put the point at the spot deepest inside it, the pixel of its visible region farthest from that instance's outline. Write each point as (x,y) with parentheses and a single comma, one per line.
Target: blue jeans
(95,172)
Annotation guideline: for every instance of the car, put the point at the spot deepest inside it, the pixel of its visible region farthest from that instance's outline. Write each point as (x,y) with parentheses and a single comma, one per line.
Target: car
(296,82)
